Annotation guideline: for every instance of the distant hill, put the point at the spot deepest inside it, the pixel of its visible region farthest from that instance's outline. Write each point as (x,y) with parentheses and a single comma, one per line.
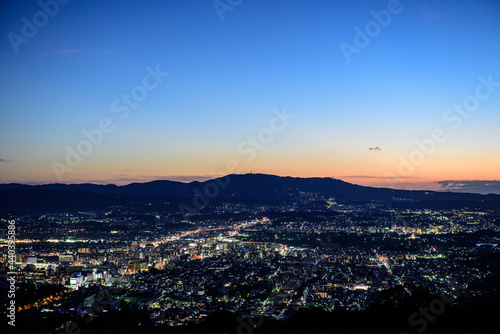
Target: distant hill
(29,201)
(234,187)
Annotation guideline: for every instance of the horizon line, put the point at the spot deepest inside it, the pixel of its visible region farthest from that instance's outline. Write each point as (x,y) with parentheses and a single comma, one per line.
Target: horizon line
(458,186)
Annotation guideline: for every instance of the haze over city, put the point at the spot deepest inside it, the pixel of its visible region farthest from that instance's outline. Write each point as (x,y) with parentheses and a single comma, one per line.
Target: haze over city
(388,94)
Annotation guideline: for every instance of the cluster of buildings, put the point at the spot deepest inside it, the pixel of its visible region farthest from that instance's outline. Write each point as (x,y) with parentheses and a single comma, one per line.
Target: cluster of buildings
(181,271)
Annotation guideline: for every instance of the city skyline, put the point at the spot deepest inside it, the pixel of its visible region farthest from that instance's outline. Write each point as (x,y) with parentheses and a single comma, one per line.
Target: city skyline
(387,94)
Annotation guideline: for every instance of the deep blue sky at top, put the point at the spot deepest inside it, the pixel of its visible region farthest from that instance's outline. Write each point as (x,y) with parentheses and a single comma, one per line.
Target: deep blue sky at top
(225,78)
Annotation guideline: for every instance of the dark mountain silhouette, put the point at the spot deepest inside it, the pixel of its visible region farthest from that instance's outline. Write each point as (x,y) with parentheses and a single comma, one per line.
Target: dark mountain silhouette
(234,187)
(29,201)
(148,189)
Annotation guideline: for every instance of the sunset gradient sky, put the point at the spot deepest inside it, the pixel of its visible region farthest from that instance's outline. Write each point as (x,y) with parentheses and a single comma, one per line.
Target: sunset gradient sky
(234,69)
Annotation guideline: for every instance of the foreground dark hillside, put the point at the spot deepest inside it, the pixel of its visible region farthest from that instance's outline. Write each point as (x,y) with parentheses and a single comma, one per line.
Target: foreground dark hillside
(395,311)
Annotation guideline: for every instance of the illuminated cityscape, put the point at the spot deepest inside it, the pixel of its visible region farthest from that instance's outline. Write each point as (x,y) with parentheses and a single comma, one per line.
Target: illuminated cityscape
(264,260)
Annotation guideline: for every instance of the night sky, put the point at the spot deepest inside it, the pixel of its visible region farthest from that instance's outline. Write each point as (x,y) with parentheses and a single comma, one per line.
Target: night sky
(382,93)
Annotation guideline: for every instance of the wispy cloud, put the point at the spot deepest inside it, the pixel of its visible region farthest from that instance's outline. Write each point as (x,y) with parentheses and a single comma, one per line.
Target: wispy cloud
(383,179)
(66,51)
(4,160)
(365,177)
(429,14)
(471,186)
